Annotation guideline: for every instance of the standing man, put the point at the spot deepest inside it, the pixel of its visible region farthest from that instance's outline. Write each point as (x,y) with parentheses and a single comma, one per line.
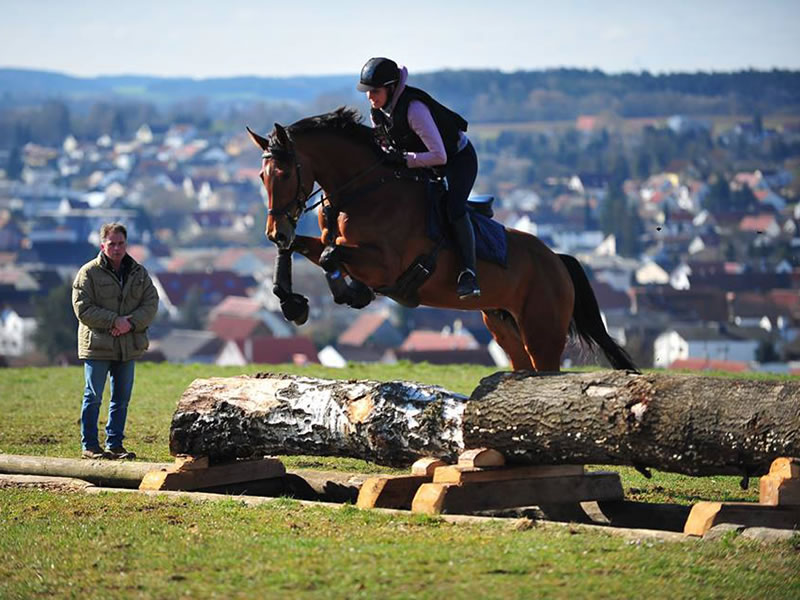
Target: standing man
(115,302)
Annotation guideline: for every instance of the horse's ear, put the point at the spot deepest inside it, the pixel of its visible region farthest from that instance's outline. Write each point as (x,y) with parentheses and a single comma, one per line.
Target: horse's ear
(259,141)
(283,137)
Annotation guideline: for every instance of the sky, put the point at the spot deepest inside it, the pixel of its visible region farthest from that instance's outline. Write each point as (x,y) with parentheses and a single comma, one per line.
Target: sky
(212,38)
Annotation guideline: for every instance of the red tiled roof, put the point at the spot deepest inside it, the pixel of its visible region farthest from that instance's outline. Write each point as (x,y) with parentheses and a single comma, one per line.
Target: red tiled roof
(242,307)
(421,340)
(756,222)
(703,364)
(364,326)
(234,328)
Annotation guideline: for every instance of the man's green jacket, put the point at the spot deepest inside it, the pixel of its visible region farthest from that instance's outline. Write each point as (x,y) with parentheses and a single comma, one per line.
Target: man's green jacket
(98,298)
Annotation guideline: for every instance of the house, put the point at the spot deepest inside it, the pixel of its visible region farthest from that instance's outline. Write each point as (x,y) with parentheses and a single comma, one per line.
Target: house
(705,343)
(368,337)
(456,346)
(211,287)
(17,326)
(191,346)
(268,350)
(244,307)
(237,329)
(703,364)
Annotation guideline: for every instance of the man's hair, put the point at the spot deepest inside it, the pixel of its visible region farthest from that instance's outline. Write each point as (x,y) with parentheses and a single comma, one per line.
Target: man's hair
(109,228)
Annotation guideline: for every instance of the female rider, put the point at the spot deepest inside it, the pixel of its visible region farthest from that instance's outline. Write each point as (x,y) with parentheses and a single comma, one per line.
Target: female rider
(427,134)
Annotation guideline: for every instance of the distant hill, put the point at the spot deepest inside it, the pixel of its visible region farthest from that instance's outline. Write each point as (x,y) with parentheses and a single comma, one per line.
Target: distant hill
(25,84)
(480,95)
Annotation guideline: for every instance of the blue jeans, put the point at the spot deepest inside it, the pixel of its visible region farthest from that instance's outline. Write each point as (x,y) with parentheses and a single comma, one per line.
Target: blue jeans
(95,372)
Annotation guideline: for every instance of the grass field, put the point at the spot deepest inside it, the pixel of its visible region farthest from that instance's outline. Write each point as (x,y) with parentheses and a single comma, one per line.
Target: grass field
(119,546)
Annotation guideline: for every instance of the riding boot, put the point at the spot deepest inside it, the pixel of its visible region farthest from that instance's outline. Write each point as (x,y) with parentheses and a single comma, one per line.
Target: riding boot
(467,279)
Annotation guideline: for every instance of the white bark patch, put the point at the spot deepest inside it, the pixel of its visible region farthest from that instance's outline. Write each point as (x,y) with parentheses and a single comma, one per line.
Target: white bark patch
(600,391)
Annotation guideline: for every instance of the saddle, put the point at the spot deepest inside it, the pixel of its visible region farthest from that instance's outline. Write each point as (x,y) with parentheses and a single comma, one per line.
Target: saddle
(490,243)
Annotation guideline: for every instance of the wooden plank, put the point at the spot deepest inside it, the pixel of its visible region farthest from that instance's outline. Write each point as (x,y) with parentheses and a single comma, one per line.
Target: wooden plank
(705,515)
(427,465)
(176,477)
(390,491)
(461,474)
(435,498)
(481,457)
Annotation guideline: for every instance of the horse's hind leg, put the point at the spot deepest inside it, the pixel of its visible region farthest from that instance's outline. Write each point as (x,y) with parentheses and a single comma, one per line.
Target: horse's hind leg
(506,333)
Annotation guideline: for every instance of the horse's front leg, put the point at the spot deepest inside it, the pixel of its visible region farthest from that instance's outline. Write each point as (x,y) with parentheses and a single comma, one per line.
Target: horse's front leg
(293,306)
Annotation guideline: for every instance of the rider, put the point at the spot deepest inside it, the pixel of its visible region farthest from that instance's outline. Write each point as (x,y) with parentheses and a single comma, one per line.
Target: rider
(427,134)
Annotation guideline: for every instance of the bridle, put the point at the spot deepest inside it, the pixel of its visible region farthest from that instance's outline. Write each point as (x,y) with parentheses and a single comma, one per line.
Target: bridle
(297,207)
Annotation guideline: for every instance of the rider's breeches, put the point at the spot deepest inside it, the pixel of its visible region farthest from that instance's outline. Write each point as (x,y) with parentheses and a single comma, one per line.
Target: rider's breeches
(461,171)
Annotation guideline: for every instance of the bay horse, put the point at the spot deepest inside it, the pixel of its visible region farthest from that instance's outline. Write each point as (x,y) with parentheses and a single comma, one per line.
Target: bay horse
(373,229)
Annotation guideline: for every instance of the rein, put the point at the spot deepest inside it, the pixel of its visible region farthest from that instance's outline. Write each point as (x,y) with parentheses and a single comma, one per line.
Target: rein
(301,198)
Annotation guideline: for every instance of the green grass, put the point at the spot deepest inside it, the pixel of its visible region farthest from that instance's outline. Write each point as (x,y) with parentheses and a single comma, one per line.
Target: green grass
(71,545)
(117,546)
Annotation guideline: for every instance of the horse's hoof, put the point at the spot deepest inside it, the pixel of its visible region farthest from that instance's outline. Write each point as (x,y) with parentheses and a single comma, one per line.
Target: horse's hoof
(295,309)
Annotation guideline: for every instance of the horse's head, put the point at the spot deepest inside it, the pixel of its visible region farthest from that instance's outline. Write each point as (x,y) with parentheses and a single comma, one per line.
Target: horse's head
(286,178)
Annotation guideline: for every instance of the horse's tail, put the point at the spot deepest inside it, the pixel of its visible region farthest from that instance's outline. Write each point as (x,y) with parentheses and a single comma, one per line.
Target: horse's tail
(586,320)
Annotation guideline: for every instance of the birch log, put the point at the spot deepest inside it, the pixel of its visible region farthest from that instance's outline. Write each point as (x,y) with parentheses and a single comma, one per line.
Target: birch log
(390,423)
(682,423)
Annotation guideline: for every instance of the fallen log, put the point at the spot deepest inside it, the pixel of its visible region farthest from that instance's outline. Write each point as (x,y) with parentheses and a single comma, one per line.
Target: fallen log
(108,473)
(388,423)
(683,423)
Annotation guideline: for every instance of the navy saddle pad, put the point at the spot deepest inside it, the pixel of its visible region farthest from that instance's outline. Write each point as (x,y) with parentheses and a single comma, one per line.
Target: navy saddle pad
(490,236)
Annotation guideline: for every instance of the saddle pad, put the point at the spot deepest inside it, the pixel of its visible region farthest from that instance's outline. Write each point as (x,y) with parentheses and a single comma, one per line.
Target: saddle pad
(490,236)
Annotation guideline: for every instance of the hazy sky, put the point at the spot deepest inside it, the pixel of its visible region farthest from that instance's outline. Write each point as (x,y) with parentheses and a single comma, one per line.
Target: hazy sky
(204,38)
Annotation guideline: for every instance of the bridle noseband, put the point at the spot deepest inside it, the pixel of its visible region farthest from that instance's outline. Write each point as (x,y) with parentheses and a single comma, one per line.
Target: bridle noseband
(294,210)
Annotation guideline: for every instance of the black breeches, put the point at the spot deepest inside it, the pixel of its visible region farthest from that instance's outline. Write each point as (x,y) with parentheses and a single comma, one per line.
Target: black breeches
(461,171)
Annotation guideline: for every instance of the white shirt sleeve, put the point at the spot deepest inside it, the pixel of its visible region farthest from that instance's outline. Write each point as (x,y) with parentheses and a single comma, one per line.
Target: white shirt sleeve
(421,122)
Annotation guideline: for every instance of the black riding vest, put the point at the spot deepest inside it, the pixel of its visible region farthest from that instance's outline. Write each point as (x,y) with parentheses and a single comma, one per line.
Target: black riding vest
(447,121)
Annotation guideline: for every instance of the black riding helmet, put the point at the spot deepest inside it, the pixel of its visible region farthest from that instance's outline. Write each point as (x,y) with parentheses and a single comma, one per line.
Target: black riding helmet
(378,72)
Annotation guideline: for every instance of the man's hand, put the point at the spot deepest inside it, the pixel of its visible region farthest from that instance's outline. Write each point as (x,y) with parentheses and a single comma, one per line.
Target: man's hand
(122,325)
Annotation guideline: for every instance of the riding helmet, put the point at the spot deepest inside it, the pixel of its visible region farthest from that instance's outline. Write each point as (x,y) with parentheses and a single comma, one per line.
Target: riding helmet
(378,72)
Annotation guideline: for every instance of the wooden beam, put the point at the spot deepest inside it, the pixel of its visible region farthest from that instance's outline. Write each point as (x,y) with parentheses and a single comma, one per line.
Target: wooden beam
(460,474)
(705,515)
(427,465)
(436,498)
(191,475)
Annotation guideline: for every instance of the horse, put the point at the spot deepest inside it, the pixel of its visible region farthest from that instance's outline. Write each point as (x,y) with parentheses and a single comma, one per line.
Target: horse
(373,230)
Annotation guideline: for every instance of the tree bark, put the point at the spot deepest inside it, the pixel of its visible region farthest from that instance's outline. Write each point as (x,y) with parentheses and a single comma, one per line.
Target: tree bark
(682,423)
(390,423)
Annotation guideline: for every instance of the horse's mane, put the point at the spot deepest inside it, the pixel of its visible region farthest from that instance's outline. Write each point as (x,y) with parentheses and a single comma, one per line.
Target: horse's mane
(344,121)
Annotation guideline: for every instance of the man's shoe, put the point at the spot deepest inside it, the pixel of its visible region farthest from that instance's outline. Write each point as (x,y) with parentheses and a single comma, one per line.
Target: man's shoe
(468,285)
(93,453)
(119,453)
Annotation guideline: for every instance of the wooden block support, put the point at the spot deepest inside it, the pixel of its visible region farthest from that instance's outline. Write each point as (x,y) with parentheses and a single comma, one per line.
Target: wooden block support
(391,491)
(427,466)
(436,498)
(781,486)
(195,473)
(481,457)
(705,515)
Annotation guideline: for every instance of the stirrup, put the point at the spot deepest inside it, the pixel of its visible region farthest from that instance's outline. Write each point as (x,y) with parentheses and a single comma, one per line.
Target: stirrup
(467,286)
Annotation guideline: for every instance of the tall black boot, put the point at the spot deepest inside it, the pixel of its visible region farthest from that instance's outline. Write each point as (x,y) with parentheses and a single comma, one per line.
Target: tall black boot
(468,279)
